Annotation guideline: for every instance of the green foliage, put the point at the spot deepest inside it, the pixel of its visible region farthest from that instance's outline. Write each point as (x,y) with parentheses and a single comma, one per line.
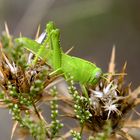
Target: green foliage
(37,129)
(76,135)
(15,53)
(81,104)
(18,57)
(55,124)
(36,88)
(6,41)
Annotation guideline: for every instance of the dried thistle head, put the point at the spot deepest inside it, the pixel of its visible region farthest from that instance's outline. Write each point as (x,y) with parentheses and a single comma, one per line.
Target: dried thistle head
(108,103)
(110,100)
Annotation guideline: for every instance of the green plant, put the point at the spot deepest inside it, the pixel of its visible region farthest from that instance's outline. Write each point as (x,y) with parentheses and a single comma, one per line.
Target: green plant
(28,82)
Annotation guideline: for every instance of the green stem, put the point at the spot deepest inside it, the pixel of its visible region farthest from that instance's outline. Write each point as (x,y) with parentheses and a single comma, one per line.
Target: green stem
(82,127)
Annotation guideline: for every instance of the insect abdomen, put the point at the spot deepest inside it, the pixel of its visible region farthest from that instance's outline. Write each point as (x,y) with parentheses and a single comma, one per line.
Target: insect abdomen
(80,69)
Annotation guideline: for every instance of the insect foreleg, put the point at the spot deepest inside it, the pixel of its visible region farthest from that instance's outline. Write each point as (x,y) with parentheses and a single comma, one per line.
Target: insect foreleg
(56,60)
(49,27)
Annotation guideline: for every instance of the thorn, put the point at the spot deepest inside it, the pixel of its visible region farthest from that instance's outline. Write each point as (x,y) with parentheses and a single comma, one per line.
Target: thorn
(111,68)
(38,32)
(69,50)
(112,60)
(136,112)
(7,29)
(8,63)
(129,86)
(14,129)
(121,77)
(20,34)
(124,66)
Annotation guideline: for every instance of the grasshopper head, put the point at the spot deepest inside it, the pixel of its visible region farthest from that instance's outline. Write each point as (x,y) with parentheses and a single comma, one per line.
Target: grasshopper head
(96,75)
(49,27)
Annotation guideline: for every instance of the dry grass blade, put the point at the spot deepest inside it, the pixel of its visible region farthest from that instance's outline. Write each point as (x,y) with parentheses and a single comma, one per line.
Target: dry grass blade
(14,129)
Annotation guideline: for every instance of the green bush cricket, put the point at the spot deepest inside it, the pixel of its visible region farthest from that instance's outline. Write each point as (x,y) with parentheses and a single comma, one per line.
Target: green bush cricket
(82,71)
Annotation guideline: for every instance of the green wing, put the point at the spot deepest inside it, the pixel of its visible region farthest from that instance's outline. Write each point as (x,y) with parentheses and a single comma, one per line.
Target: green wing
(34,47)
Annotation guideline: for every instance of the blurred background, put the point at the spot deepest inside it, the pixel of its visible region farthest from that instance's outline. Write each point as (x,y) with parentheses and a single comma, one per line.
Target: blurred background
(91,26)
